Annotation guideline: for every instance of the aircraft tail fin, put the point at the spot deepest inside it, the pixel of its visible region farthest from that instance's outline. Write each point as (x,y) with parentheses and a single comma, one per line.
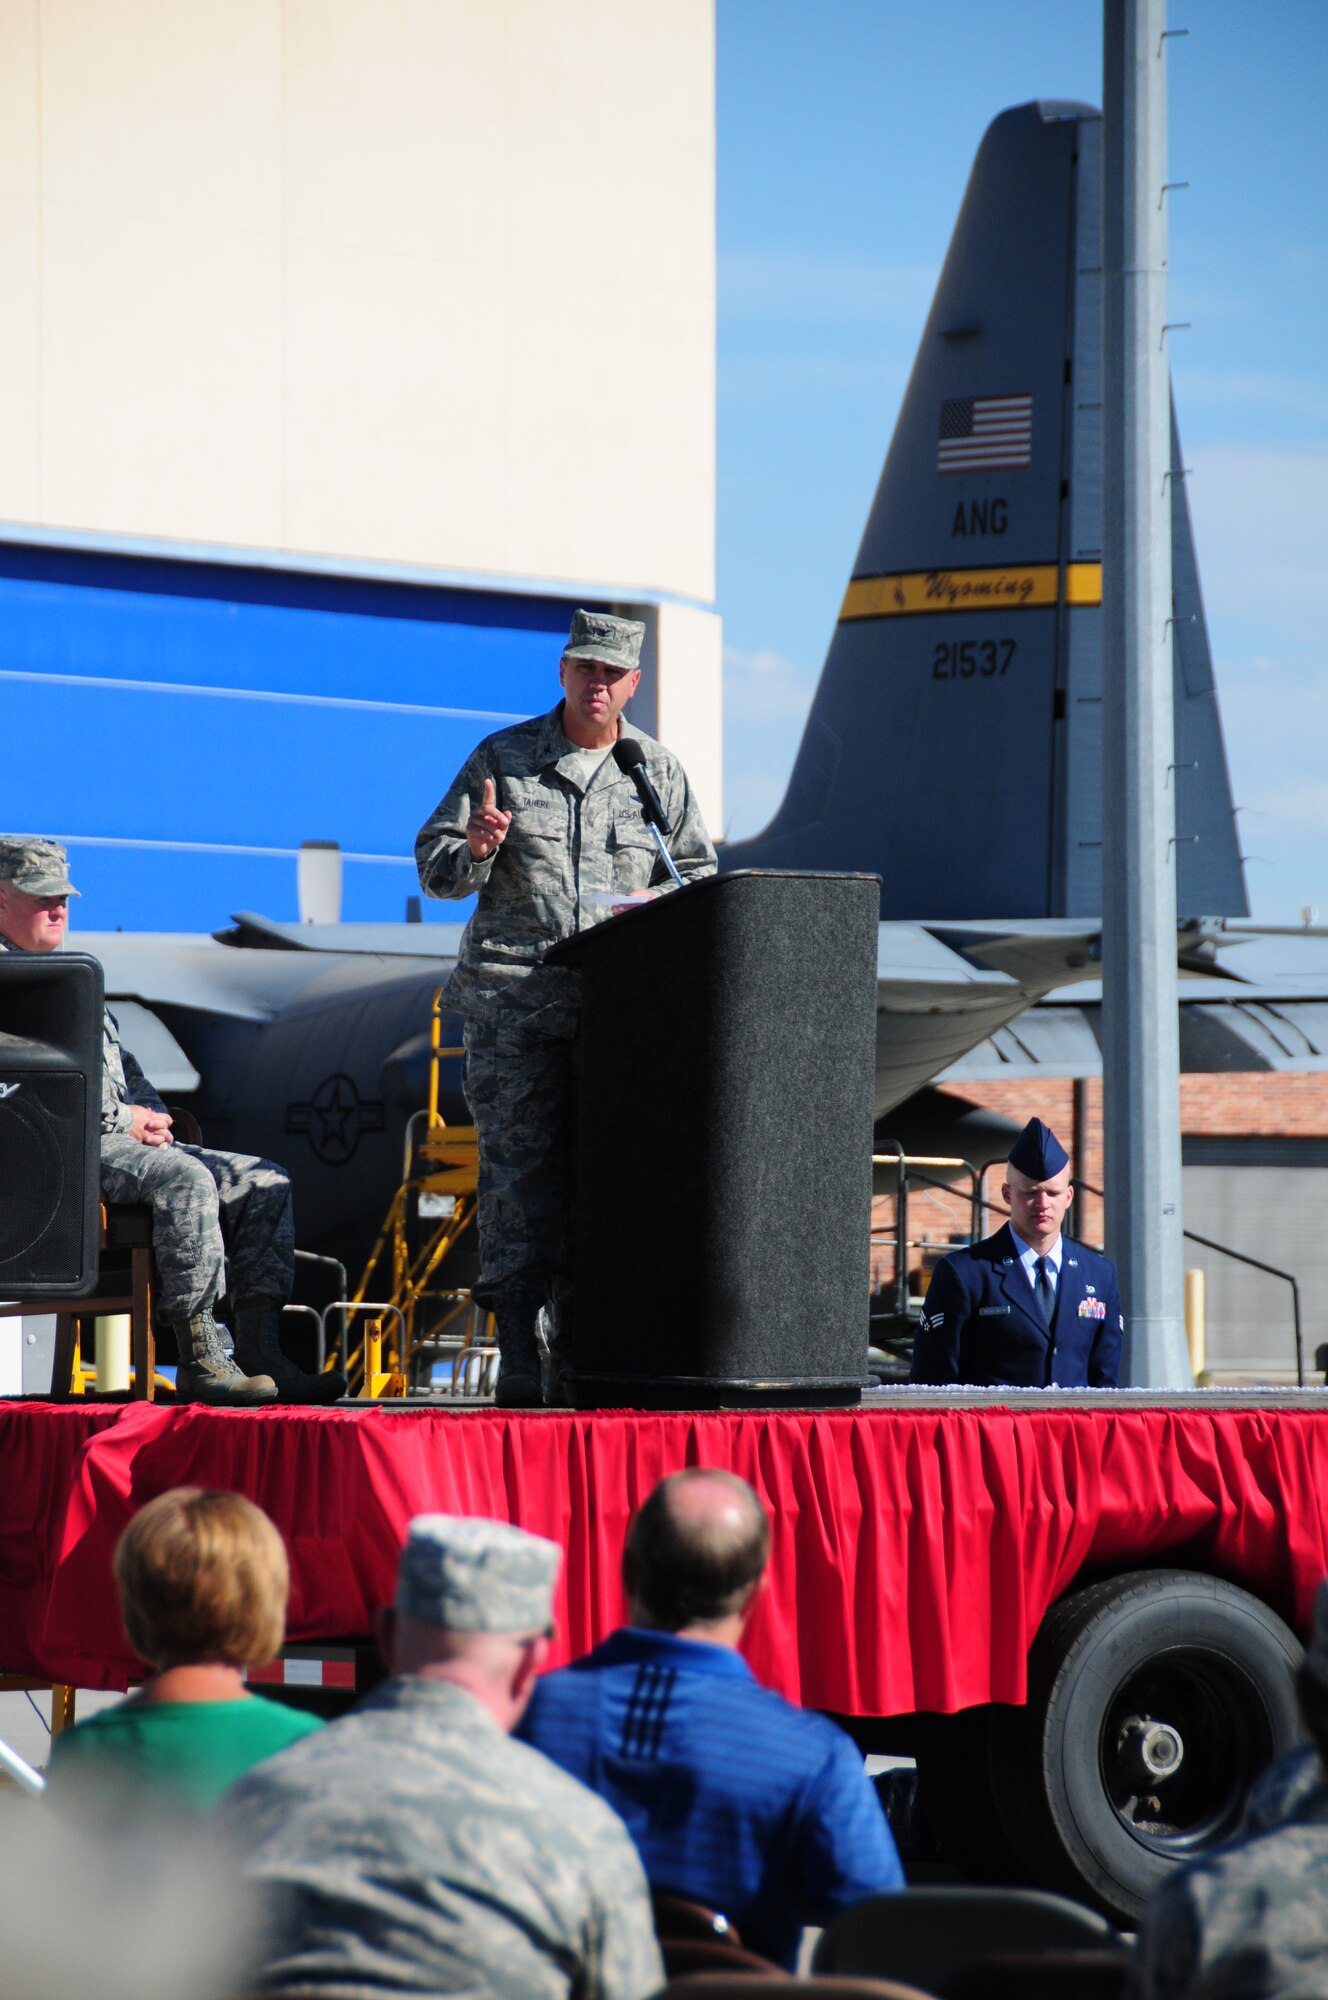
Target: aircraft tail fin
(954,743)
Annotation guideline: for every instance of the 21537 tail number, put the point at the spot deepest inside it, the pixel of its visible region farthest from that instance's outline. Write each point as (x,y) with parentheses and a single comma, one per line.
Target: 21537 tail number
(965,659)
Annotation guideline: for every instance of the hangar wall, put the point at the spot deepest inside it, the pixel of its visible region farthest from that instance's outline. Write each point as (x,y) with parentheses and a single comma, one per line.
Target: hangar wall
(415,298)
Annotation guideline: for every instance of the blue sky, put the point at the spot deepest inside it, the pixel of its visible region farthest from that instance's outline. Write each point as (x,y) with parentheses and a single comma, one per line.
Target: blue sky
(846,132)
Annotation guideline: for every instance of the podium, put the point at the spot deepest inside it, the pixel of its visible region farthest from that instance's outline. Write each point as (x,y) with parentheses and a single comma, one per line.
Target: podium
(722,1146)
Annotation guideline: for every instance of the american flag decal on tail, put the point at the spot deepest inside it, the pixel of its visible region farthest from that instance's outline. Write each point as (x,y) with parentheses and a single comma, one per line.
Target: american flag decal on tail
(981,432)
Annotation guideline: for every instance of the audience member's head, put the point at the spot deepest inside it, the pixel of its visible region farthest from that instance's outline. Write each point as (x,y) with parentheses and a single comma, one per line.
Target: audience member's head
(202,1576)
(474,1605)
(696,1553)
(1312,1680)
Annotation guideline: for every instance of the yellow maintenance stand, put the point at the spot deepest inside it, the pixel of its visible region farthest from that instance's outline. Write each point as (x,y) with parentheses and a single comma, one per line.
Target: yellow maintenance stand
(411,1322)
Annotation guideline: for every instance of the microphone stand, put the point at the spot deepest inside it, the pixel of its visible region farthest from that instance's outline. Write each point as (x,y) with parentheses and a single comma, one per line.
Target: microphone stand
(665,856)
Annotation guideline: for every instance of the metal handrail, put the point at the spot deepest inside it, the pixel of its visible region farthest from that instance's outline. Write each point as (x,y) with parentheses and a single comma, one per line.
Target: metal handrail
(1257,1264)
(311,1312)
(907,1165)
(19,1769)
(419,1116)
(332,1264)
(375,1306)
(1223,1250)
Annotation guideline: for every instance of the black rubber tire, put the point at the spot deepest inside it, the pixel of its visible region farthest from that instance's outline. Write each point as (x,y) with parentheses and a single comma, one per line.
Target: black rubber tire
(1174,1646)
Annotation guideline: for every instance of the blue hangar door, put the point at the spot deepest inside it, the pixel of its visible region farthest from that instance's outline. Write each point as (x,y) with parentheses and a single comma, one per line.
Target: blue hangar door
(184,726)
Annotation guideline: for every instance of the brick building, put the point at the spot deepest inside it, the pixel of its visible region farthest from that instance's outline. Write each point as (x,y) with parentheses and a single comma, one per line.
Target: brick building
(1255,1153)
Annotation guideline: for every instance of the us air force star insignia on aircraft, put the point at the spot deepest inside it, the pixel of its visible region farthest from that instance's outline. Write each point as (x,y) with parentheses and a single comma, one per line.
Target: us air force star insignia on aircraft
(334,1119)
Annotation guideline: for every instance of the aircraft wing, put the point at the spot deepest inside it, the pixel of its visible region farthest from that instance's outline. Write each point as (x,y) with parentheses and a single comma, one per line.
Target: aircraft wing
(943,990)
(206,976)
(1251,997)
(252,932)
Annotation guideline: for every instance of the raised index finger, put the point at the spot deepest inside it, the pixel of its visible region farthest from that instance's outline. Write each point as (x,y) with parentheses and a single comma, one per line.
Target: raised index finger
(490,798)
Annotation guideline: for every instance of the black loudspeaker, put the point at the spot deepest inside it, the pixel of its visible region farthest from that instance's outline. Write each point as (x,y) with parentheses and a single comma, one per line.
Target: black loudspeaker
(726,1079)
(50,1123)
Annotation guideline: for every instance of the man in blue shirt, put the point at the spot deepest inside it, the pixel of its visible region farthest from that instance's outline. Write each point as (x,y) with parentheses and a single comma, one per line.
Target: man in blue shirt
(734,1797)
(1026,1306)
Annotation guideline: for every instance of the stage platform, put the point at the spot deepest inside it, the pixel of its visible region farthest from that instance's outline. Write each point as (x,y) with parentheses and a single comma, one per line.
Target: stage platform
(918,1541)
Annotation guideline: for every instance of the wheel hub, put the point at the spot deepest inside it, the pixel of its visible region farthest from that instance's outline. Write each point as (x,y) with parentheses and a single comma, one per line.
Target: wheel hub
(1150,1752)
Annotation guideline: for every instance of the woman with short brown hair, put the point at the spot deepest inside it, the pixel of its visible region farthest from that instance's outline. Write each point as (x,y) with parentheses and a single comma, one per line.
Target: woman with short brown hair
(203,1581)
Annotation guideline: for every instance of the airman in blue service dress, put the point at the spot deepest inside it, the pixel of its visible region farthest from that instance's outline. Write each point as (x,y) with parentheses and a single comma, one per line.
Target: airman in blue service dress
(997,1313)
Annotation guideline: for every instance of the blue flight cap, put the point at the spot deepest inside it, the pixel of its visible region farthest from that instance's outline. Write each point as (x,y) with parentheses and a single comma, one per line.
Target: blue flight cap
(1037,1152)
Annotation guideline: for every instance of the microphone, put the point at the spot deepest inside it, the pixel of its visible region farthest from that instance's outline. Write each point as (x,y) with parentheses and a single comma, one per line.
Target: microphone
(631,761)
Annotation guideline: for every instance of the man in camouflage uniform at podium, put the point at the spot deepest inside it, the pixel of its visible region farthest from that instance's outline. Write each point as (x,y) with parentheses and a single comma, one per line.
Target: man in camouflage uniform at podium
(542,825)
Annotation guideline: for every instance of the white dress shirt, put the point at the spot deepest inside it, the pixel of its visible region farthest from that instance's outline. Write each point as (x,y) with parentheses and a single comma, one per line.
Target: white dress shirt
(1028,1257)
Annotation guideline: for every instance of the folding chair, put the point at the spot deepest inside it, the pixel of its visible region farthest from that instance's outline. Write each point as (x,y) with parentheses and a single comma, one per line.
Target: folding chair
(929,1934)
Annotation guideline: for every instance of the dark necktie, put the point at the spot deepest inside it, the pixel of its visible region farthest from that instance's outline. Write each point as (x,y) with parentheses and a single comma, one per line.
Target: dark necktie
(1044,1291)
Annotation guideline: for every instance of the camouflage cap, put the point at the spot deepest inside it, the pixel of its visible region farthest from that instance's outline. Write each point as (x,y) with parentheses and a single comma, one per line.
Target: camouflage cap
(597,636)
(469,1575)
(37,867)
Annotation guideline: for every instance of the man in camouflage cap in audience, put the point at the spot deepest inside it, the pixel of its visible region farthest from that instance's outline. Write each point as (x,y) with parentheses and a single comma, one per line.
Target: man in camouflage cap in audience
(413,1847)
(220,1221)
(542,825)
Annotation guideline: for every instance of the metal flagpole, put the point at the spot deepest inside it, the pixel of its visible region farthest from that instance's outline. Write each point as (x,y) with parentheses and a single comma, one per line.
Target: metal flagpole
(1141,1054)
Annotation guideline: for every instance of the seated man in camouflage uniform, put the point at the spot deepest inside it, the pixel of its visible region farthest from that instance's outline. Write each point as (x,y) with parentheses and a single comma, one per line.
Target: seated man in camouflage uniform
(210,1210)
(545,828)
(413,1847)
(1249,1921)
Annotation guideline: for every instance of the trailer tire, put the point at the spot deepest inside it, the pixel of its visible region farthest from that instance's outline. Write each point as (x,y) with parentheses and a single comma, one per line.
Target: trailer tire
(1154,1700)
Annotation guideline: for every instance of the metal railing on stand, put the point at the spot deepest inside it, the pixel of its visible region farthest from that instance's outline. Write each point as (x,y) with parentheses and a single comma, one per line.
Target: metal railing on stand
(892,1332)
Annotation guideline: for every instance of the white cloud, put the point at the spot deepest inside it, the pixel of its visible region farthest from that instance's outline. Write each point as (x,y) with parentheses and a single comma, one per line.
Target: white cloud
(762,686)
(775,377)
(1240,392)
(766,698)
(1275,721)
(808,290)
(1259,515)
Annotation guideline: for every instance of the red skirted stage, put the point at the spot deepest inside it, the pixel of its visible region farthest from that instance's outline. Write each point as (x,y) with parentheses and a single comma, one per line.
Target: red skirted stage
(915,1548)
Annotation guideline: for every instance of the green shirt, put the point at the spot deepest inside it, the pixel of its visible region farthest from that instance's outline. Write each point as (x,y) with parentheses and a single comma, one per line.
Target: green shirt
(193,1750)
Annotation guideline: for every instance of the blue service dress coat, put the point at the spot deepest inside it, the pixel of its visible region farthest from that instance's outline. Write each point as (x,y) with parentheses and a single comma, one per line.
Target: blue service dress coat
(981,1322)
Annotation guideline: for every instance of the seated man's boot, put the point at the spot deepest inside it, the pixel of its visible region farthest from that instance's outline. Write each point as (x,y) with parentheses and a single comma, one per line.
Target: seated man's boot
(258,1346)
(519,1359)
(207,1372)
